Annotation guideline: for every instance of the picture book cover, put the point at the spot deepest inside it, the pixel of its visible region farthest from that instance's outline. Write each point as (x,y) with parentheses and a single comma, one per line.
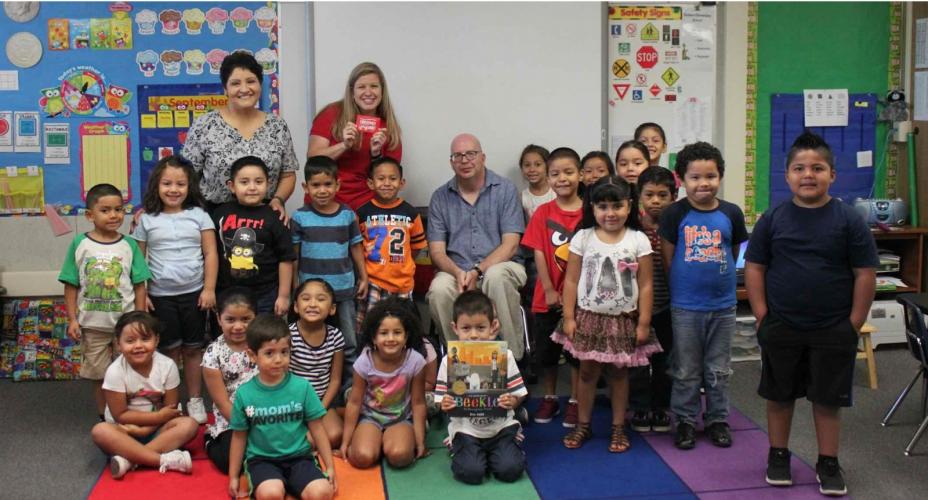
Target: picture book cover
(477,377)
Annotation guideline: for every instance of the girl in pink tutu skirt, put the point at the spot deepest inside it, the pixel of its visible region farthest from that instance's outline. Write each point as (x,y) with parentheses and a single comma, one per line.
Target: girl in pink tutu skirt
(607,303)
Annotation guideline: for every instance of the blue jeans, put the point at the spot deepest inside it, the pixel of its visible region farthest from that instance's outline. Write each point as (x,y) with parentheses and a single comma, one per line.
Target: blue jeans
(701,358)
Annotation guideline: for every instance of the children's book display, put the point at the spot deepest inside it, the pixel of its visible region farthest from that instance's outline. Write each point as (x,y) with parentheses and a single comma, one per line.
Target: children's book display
(34,344)
(477,377)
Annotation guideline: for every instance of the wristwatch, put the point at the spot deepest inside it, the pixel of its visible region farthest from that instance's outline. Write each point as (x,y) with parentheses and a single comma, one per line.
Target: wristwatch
(479,271)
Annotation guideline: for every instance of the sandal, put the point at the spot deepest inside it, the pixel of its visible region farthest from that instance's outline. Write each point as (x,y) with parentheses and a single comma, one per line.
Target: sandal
(578,435)
(618,441)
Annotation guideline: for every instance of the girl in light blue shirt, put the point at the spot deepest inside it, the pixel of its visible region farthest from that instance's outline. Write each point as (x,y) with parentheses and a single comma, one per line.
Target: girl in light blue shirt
(179,239)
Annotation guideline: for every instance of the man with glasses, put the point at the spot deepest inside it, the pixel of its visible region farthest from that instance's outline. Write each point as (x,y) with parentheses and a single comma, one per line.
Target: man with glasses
(474,227)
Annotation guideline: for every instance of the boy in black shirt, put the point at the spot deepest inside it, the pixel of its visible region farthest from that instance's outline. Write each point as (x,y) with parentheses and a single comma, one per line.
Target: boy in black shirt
(810,277)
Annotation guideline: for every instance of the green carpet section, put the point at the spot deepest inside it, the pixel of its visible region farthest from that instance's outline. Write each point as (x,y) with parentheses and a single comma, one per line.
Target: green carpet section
(431,478)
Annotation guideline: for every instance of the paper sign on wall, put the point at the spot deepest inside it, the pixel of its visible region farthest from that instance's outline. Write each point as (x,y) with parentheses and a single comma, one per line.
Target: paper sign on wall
(26,130)
(825,107)
(105,156)
(57,141)
(6,131)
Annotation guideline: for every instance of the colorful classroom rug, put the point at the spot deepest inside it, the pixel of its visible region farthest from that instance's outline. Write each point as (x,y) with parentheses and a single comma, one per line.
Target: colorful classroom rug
(652,468)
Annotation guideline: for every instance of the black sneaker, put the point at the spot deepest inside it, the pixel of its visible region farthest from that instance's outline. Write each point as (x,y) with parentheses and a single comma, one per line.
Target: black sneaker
(685,439)
(660,421)
(641,421)
(778,471)
(720,434)
(521,415)
(830,477)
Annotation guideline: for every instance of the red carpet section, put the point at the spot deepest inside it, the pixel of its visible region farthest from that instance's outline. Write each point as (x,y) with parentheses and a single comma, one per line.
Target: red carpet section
(207,482)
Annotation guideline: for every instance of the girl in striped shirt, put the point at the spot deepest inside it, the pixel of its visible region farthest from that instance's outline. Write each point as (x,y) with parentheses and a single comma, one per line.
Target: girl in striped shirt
(317,349)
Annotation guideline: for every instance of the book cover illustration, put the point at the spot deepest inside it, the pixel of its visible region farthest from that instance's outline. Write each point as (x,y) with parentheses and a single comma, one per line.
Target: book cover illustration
(477,377)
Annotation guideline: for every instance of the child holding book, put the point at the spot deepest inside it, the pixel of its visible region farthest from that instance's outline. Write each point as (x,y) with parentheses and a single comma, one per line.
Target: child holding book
(482,444)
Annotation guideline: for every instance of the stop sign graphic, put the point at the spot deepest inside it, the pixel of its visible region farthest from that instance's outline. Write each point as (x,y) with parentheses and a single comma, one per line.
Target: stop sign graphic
(646,57)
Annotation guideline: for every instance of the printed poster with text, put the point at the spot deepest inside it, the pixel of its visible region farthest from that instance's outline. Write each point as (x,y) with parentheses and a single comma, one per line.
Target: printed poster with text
(662,69)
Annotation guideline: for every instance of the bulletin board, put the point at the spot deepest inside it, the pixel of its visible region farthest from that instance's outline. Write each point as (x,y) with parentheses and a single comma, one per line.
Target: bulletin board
(86,88)
(849,51)
(662,69)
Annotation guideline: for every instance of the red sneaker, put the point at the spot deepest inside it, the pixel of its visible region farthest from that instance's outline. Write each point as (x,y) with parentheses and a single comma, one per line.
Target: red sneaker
(570,415)
(547,410)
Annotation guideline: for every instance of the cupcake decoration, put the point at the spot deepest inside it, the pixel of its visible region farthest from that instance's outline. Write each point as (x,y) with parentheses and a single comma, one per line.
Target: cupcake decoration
(170,21)
(146,20)
(194,60)
(216,19)
(214,58)
(267,58)
(265,17)
(193,21)
(241,18)
(170,62)
(148,62)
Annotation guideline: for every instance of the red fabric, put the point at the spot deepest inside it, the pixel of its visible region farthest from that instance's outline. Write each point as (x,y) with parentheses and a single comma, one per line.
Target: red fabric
(547,220)
(353,163)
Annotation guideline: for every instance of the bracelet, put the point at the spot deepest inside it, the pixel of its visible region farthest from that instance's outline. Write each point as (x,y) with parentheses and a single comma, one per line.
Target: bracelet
(281,200)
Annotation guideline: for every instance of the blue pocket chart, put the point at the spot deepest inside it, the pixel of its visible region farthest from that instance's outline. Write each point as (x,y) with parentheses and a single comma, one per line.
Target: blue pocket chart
(787,120)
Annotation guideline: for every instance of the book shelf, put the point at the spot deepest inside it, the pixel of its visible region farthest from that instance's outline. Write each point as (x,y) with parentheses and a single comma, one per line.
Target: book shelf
(908,243)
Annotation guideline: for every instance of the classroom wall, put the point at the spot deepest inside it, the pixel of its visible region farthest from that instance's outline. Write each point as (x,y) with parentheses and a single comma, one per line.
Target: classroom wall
(451,67)
(511,73)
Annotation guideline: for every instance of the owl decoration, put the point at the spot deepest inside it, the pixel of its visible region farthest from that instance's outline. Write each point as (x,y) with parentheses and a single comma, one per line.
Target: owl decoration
(117,99)
(51,102)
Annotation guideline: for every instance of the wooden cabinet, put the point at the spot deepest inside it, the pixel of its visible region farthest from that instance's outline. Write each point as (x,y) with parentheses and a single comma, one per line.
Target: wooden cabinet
(908,243)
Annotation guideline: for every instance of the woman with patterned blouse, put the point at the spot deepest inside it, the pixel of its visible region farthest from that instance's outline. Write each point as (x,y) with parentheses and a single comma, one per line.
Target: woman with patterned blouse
(240,129)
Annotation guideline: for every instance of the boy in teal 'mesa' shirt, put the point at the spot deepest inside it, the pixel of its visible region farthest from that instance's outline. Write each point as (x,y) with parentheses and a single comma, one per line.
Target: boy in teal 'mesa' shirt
(270,415)
(104,275)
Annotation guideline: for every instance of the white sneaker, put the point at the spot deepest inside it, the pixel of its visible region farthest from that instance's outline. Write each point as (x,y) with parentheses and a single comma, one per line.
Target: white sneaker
(178,460)
(119,466)
(197,410)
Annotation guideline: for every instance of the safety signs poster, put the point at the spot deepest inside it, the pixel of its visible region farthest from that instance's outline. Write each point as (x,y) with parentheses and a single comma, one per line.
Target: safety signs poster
(662,61)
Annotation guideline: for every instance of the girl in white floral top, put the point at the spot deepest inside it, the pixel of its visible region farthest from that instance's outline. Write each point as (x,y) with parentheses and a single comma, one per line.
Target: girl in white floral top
(226,367)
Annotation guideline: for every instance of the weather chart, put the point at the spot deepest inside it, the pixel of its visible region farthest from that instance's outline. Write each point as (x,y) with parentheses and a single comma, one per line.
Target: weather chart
(662,65)
(96,92)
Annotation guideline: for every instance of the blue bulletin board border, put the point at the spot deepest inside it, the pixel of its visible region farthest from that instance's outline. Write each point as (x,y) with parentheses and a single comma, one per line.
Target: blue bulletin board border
(93,69)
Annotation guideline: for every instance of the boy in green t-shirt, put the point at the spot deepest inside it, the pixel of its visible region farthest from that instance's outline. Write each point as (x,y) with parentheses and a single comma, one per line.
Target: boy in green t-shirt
(271,414)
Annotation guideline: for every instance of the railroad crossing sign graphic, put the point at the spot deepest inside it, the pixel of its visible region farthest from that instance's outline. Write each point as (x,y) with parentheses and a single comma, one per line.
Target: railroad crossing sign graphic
(621,68)
(670,77)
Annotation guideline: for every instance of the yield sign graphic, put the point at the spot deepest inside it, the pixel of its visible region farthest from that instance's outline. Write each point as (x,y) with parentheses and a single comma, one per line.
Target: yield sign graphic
(621,89)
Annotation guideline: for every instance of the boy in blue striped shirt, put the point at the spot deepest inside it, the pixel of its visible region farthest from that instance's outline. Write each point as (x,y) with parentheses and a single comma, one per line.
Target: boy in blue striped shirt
(326,237)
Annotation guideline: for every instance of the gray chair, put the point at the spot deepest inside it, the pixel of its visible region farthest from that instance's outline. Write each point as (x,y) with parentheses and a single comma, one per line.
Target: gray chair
(917,336)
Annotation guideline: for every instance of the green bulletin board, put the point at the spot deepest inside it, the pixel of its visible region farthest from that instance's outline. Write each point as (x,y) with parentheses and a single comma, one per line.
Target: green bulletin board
(817,45)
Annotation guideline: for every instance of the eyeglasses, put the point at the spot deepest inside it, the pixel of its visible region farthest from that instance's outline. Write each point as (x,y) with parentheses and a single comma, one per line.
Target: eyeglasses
(459,157)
